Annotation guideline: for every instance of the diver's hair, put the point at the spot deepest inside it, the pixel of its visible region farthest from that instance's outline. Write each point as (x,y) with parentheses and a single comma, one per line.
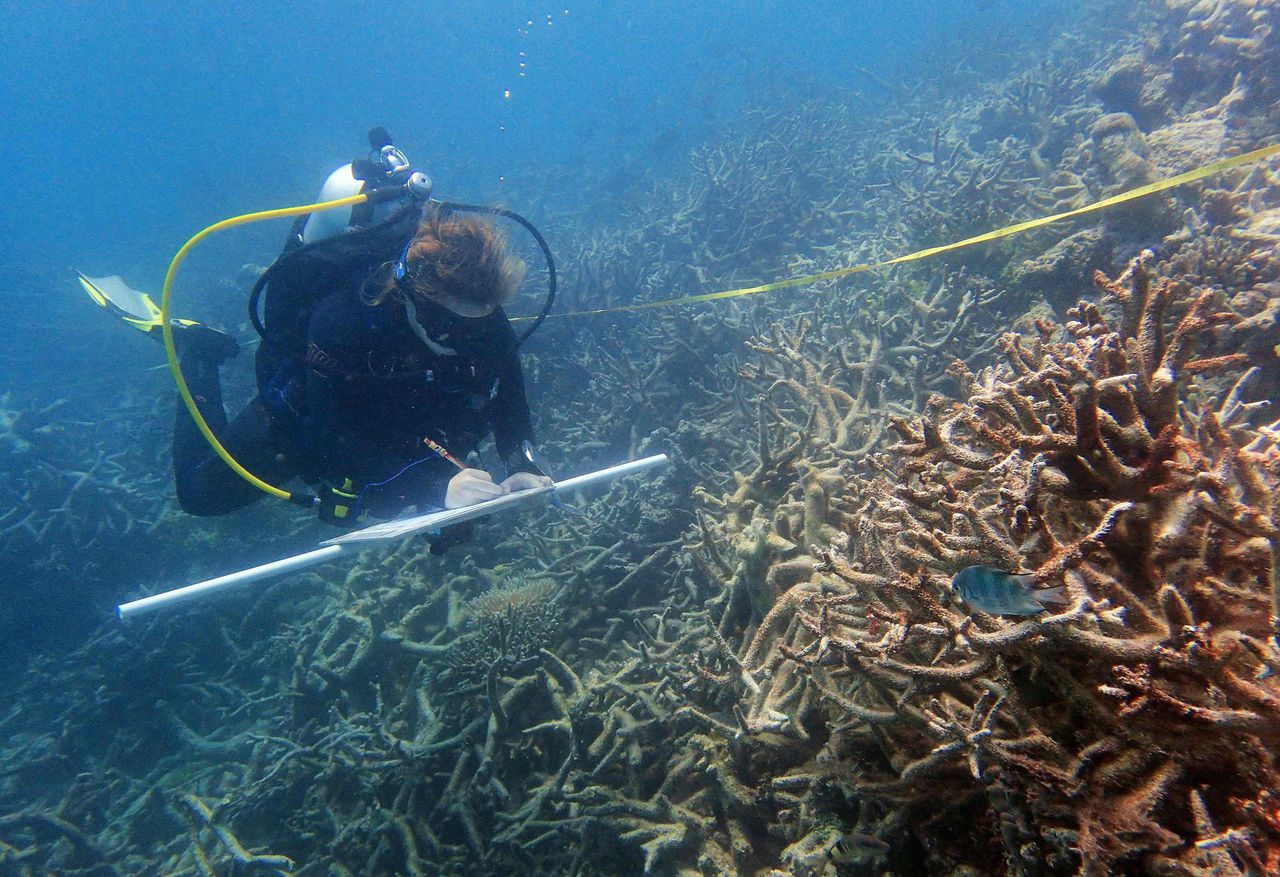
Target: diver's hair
(463,256)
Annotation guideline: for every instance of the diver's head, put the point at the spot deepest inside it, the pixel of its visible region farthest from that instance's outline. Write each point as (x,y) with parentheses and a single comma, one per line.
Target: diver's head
(461,263)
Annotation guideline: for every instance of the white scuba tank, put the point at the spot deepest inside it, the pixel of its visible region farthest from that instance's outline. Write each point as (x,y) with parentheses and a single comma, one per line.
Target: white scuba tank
(386,166)
(329,223)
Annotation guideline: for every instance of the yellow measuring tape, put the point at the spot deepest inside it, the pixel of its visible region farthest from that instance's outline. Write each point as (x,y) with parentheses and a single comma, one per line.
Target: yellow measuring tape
(1200,173)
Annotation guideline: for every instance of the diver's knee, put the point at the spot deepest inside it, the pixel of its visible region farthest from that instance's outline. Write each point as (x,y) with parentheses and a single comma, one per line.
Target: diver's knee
(206,497)
(201,503)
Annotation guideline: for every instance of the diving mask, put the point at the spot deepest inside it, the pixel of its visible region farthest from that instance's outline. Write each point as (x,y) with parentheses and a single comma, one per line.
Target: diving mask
(446,332)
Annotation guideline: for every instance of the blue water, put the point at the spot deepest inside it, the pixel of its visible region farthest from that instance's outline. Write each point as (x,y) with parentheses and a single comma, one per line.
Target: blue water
(130,125)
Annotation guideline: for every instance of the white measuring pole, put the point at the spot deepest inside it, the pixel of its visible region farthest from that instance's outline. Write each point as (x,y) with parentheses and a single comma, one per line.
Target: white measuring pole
(243,577)
(358,540)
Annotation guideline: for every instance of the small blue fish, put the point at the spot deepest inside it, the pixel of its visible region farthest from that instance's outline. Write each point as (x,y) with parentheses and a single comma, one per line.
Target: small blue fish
(997,592)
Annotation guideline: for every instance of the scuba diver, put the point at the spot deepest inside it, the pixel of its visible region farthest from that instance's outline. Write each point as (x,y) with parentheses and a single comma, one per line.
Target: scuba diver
(386,359)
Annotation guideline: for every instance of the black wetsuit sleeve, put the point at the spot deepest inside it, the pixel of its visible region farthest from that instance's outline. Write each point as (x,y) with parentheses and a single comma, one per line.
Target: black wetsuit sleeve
(509,415)
(422,484)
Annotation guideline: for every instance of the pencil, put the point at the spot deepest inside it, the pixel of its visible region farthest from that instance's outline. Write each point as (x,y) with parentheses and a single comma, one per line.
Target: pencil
(440,449)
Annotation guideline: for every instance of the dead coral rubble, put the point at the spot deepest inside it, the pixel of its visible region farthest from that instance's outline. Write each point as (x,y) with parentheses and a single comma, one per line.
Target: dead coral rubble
(1136,728)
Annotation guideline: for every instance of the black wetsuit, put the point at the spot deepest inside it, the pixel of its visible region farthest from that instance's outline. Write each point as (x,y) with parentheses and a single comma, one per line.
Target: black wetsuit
(359,408)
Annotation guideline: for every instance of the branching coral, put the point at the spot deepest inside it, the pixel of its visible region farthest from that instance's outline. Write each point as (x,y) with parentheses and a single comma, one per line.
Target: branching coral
(508,625)
(728,685)
(1080,734)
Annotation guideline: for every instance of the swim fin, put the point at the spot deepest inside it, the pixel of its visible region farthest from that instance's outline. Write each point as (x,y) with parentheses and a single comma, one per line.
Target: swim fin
(138,310)
(122,301)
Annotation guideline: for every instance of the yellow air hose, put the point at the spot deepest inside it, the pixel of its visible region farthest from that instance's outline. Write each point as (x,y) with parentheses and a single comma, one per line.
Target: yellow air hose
(171,351)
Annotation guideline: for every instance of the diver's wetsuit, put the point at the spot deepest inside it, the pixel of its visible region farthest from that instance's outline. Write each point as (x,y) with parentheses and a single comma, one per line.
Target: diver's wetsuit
(370,392)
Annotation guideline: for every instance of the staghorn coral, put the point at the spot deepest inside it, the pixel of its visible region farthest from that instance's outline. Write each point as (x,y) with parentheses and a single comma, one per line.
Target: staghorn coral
(1078,739)
(1229,245)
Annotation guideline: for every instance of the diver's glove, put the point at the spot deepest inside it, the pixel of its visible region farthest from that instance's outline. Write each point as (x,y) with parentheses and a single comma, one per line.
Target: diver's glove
(528,470)
(469,487)
(524,481)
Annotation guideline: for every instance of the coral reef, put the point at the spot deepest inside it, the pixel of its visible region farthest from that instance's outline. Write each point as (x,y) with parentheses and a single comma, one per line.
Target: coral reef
(1085,739)
(727,668)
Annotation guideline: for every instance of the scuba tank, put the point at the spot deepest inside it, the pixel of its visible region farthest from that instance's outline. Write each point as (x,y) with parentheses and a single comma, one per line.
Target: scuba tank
(386,166)
(331,251)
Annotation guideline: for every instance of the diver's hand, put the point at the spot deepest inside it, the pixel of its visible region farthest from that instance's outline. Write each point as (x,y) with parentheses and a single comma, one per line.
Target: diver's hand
(524,481)
(469,487)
